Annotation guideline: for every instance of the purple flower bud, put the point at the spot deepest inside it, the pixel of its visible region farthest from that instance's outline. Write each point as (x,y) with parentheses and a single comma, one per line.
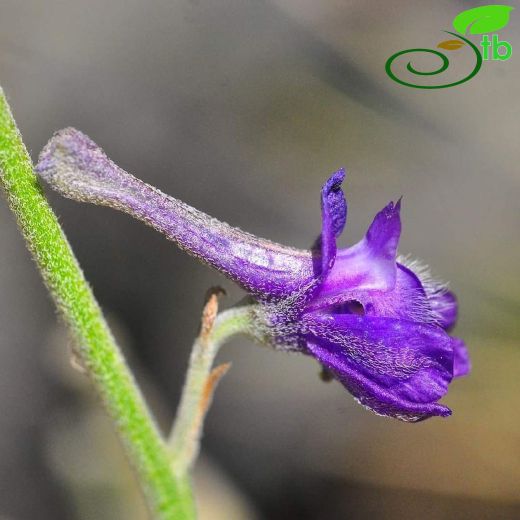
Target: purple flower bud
(377,322)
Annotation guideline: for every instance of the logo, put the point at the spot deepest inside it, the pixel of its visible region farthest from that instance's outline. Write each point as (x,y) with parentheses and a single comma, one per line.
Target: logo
(480,20)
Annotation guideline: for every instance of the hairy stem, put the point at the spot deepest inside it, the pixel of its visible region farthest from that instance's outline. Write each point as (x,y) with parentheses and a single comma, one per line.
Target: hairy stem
(202,378)
(167,492)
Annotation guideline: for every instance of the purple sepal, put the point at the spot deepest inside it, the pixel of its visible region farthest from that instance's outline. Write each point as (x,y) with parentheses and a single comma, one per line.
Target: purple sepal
(394,367)
(444,305)
(461,361)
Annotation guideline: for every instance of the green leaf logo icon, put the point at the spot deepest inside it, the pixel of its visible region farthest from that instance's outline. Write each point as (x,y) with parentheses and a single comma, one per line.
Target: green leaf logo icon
(480,20)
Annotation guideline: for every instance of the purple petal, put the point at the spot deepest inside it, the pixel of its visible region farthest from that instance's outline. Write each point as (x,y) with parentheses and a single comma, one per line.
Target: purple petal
(461,361)
(382,237)
(333,216)
(369,265)
(394,367)
(407,300)
(77,168)
(334,204)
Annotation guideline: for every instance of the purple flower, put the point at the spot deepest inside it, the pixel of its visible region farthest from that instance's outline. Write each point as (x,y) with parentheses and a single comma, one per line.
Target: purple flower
(377,322)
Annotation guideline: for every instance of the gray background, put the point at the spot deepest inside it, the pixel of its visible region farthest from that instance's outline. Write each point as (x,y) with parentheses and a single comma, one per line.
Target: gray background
(242,108)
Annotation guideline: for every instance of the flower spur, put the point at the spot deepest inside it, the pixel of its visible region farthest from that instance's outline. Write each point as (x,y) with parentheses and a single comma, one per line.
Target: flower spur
(378,323)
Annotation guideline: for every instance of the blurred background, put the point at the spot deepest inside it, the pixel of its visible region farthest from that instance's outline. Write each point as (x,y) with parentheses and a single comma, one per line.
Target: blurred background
(242,108)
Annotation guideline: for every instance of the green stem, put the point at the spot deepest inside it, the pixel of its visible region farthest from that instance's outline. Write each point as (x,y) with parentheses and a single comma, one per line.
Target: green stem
(168,493)
(201,379)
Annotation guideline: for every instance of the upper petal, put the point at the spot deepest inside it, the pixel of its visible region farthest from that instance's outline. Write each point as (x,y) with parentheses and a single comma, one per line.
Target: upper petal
(394,367)
(382,237)
(333,218)
(369,265)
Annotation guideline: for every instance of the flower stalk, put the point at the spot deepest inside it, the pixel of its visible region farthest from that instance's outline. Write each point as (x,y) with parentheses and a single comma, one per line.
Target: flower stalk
(202,378)
(167,492)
